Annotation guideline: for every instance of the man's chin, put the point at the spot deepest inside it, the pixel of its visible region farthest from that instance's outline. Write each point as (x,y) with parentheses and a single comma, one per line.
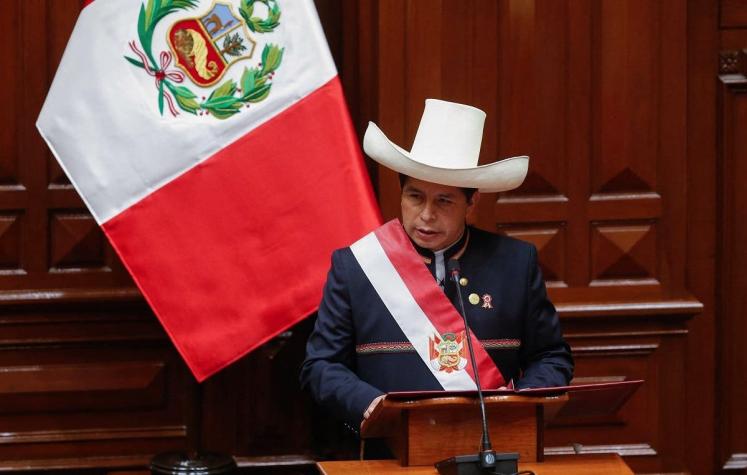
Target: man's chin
(430,244)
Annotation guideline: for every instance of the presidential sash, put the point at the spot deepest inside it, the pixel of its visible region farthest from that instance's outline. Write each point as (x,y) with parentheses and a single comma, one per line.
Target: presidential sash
(421,309)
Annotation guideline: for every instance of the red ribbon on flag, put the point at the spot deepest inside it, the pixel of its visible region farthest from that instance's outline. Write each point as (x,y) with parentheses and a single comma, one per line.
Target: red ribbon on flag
(160,74)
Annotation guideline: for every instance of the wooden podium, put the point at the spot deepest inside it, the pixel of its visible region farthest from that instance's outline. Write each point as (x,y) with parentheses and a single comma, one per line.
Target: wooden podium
(422,428)
(421,431)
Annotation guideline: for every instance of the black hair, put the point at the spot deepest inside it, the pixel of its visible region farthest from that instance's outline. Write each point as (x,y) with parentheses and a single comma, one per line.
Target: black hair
(468,192)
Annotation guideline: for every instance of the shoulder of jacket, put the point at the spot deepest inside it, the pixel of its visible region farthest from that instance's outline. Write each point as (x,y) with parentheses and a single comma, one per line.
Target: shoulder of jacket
(499,241)
(342,255)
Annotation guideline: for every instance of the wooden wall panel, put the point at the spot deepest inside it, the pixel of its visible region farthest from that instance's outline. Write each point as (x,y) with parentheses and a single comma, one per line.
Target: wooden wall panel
(559,96)
(733,14)
(731,280)
(62,247)
(79,384)
(701,183)
(625,96)
(732,276)
(649,429)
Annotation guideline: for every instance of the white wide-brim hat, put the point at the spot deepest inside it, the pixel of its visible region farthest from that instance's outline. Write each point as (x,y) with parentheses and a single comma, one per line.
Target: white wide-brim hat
(446,151)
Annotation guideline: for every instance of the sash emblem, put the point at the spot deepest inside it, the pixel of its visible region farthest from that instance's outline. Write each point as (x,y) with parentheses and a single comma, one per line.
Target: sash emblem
(448,352)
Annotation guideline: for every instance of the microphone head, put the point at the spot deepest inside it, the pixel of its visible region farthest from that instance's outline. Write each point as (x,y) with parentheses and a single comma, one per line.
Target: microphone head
(453,266)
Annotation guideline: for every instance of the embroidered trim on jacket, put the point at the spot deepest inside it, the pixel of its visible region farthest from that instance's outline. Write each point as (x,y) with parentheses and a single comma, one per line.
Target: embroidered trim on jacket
(406,346)
(500,344)
(385,347)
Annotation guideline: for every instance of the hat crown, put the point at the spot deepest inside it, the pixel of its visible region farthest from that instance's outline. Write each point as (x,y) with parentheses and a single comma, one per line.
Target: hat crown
(449,135)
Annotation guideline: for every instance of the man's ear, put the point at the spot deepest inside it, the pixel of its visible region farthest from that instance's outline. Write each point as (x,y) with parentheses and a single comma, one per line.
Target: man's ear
(473,202)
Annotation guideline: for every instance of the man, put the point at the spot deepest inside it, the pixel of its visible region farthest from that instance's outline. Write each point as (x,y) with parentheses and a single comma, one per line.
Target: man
(388,319)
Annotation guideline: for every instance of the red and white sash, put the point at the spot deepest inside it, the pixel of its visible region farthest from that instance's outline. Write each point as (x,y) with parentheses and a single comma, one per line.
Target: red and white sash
(418,305)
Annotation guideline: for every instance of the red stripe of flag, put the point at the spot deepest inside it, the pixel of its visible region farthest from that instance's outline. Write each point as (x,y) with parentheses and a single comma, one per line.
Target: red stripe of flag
(235,250)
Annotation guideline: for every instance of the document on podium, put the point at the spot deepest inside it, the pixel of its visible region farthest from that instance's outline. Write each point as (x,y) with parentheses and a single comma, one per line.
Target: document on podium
(616,386)
(599,399)
(595,399)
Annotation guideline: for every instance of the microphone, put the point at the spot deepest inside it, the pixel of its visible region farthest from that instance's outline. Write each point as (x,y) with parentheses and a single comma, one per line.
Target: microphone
(487,458)
(487,455)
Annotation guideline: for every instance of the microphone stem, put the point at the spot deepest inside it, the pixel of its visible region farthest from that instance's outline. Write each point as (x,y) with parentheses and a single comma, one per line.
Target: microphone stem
(485,435)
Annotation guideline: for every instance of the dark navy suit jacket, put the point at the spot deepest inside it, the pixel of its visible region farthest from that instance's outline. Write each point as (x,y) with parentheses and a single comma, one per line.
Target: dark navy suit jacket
(355,351)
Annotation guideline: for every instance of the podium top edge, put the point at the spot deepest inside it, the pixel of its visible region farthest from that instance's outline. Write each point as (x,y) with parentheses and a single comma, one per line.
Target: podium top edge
(453,400)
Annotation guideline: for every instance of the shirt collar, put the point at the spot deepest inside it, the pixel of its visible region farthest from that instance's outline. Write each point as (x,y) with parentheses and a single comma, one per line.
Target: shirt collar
(448,252)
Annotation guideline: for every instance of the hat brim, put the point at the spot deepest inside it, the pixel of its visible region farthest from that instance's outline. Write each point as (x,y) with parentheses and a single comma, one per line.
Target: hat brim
(499,176)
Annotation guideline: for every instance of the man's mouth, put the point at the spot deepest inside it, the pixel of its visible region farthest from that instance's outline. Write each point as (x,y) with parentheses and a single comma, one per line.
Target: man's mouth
(426,232)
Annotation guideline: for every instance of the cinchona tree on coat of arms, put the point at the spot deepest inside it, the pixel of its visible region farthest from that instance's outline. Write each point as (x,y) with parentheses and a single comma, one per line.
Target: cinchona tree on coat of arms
(204,47)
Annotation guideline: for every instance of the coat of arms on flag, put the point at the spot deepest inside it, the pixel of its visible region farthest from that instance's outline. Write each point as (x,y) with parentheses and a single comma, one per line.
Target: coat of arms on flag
(448,352)
(205,47)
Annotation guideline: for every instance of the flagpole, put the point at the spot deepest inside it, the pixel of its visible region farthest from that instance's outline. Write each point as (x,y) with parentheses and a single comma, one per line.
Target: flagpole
(195,438)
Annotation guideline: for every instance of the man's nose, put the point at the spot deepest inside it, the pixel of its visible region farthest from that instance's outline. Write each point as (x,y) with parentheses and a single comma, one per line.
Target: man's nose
(428,213)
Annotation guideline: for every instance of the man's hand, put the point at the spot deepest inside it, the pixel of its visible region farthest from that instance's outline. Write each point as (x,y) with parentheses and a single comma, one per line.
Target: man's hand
(371,407)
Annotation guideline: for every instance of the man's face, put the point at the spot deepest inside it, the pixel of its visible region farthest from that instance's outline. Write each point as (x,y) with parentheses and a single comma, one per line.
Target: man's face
(434,215)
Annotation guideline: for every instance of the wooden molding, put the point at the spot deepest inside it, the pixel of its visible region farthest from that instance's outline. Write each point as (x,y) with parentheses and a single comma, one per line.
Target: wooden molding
(56,297)
(97,376)
(275,461)
(141,462)
(624,450)
(76,463)
(88,327)
(736,462)
(625,334)
(84,435)
(730,275)
(731,62)
(677,307)
(627,350)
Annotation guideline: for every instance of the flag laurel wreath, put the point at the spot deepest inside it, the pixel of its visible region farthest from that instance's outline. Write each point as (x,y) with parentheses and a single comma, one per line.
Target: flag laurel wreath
(229,97)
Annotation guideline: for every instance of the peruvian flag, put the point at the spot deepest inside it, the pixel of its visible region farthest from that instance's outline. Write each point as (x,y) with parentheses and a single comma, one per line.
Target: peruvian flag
(212,143)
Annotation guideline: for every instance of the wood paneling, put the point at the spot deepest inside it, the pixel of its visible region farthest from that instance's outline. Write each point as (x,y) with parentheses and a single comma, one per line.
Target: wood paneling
(644,428)
(732,273)
(550,242)
(731,279)
(63,395)
(733,14)
(47,239)
(701,223)
(583,88)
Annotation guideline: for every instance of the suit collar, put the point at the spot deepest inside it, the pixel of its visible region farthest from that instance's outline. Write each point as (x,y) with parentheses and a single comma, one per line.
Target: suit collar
(455,250)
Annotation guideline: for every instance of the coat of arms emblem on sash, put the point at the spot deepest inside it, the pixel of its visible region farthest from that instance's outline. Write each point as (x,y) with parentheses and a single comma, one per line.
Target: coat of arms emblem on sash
(204,47)
(448,352)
